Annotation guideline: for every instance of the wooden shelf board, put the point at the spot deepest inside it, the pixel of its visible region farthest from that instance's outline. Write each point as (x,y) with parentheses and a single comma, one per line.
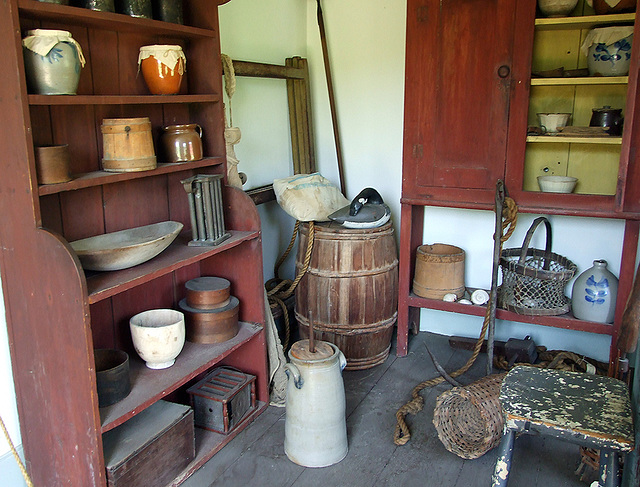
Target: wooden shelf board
(65,100)
(566,321)
(99,178)
(583,22)
(149,386)
(566,139)
(583,80)
(108,21)
(208,443)
(103,285)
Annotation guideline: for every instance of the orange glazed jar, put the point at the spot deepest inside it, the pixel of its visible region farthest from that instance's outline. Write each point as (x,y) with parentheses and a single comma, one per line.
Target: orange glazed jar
(162,68)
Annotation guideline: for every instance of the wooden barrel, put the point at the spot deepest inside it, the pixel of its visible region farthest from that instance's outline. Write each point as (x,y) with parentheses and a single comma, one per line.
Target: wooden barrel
(350,289)
(127,145)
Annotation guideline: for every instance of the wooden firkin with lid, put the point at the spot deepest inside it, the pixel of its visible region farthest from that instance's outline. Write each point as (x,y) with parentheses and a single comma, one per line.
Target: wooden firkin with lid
(211,313)
(223,399)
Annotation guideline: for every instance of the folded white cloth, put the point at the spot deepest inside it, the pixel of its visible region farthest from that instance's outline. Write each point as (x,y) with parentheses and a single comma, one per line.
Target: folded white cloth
(605,35)
(41,41)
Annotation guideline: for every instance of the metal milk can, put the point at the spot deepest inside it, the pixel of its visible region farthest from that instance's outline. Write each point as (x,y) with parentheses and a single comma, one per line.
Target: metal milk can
(315,424)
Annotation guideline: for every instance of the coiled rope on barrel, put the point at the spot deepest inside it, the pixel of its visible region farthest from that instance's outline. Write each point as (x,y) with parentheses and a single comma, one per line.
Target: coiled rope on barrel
(402,434)
(280,289)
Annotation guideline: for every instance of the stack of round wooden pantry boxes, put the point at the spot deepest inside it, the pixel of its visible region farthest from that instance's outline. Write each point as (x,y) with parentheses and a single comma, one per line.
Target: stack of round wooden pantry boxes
(211,312)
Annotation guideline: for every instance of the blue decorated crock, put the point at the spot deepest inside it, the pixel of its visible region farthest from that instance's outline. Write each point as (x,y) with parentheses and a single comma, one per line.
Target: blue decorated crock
(53,60)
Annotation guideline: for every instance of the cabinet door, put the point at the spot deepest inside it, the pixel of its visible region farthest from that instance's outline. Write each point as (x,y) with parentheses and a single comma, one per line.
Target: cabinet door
(458,75)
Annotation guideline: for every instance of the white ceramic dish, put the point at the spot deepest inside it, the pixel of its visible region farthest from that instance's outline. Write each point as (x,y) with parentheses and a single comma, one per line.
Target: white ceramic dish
(126,248)
(557,184)
(158,336)
(557,8)
(550,122)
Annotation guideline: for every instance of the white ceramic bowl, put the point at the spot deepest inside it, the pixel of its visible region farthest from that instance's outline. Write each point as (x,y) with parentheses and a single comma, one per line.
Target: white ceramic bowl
(557,184)
(557,8)
(158,336)
(126,248)
(549,122)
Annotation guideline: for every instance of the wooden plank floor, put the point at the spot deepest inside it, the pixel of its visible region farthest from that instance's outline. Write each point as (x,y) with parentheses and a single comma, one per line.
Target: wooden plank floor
(256,456)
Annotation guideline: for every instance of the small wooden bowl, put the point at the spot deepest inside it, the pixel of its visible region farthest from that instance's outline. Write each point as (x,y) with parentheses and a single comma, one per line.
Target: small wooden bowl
(208,292)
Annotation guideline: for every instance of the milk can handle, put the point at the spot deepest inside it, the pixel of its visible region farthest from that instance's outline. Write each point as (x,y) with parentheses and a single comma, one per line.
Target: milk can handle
(343,360)
(199,130)
(293,370)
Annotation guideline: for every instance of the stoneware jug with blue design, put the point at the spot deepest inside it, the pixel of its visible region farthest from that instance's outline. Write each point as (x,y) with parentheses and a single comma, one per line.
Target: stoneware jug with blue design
(594,294)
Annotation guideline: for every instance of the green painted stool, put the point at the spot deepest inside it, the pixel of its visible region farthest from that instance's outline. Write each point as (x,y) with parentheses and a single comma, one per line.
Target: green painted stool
(590,410)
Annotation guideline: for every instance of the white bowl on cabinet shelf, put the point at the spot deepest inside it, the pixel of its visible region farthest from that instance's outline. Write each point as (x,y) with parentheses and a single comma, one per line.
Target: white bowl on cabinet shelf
(556,8)
(158,336)
(557,184)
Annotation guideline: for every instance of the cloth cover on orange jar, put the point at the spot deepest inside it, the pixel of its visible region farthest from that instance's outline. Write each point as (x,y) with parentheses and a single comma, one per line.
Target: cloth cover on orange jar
(162,68)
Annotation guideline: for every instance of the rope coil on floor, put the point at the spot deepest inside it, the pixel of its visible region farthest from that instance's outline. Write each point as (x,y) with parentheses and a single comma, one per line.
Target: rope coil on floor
(402,434)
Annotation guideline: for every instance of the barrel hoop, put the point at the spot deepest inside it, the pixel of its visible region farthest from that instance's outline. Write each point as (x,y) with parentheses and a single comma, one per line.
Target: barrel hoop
(350,237)
(349,329)
(369,272)
(368,362)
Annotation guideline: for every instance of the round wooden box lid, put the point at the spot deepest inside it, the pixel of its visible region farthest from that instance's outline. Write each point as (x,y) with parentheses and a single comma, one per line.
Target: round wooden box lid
(208,292)
(300,350)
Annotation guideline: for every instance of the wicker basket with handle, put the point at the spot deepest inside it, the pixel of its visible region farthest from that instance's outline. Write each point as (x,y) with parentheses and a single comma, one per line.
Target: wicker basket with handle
(533,280)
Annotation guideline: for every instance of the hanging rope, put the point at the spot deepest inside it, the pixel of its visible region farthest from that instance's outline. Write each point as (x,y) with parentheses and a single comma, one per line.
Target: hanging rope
(21,466)
(402,434)
(229,82)
(280,289)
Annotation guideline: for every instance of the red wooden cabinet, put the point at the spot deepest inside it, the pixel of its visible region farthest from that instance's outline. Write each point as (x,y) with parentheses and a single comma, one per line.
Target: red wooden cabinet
(56,313)
(467,102)
(459,62)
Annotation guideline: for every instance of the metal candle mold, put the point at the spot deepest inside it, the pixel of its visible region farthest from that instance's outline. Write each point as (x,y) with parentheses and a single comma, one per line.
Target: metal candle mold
(205,207)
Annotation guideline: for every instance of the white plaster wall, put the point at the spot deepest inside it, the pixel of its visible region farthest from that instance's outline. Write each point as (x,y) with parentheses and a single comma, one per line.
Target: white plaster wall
(8,410)
(267,31)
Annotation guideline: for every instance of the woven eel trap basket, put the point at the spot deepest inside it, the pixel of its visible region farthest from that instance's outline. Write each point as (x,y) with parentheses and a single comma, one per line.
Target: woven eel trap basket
(533,280)
(469,419)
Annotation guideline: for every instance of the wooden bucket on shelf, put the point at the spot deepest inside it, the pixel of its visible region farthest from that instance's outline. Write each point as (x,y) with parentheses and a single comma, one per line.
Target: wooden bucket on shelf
(350,290)
(127,145)
(439,271)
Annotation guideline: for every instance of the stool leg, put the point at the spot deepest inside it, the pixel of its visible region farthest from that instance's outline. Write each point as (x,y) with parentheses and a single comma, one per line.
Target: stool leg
(609,469)
(503,462)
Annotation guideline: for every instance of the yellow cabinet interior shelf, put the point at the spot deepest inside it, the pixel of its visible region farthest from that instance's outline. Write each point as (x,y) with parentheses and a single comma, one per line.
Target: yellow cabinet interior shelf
(583,21)
(586,80)
(548,139)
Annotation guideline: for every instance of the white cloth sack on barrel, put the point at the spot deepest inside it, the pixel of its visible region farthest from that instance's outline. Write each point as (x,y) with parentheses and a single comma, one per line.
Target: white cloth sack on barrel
(308,197)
